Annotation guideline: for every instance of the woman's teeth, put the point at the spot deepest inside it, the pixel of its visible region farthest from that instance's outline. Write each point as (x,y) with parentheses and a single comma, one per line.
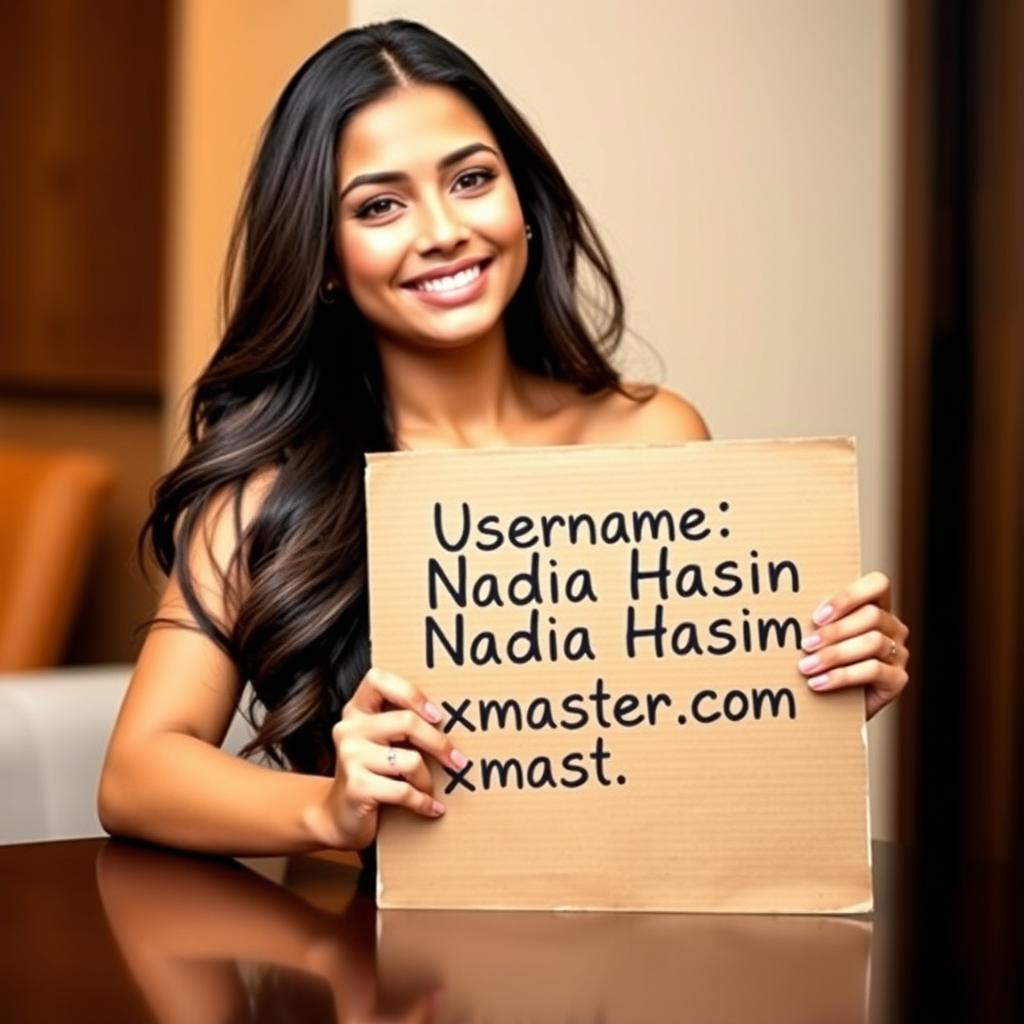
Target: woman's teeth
(447,284)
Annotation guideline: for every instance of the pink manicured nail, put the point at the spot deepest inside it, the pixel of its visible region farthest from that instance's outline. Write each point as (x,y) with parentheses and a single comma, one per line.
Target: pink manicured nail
(810,663)
(437,809)
(811,643)
(822,615)
(432,711)
(459,759)
(817,682)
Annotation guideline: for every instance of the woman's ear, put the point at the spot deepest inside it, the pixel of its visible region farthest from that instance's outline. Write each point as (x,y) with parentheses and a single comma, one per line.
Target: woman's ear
(330,280)
(328,291)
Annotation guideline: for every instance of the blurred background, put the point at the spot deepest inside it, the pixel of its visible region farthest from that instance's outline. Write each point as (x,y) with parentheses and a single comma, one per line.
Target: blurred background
(816,208)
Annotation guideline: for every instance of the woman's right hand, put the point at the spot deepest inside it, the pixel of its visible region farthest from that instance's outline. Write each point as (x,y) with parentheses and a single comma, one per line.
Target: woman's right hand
(373,769)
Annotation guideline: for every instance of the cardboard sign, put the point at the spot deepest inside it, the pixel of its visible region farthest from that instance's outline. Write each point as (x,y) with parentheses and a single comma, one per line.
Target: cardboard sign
(612,633)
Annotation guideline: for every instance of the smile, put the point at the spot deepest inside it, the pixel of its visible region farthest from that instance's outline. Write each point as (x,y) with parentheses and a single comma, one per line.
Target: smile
(455,289)
(448,284)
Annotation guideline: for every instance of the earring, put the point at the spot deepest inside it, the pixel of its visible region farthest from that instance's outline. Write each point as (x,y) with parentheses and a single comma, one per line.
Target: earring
(529,231)
(327,293)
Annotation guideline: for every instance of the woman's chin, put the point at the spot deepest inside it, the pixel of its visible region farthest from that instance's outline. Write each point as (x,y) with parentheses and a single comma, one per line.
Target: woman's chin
(446,337)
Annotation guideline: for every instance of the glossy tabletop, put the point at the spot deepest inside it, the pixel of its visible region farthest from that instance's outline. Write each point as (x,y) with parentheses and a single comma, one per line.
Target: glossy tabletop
(108,930)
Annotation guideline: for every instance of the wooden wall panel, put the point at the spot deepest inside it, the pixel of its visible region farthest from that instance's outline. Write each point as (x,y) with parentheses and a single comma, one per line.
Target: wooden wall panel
(84,128)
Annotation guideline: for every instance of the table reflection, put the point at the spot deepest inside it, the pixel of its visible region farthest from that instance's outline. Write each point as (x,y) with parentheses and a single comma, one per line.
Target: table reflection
(211,940)
(524,966)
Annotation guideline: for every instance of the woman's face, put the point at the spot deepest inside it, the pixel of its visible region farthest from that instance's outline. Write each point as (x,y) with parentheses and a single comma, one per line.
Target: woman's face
(448,198)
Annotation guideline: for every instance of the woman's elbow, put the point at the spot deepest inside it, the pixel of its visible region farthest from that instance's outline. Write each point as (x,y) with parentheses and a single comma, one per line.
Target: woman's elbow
(109,801)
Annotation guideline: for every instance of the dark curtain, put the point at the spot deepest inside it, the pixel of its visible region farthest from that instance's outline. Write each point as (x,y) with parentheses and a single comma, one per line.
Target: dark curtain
(962,517)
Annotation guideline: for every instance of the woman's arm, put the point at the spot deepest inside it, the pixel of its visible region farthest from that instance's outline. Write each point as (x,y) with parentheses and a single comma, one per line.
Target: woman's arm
(164,782)
(164,778)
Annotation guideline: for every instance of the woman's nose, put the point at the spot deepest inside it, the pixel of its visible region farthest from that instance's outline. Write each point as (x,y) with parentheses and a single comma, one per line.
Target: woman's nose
(440,226)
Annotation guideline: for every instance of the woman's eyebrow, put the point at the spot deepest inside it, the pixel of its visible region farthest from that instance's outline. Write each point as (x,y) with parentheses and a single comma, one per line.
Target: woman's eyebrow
(388,177)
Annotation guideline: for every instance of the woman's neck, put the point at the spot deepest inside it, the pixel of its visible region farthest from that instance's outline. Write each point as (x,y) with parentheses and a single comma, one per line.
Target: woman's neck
(470,395)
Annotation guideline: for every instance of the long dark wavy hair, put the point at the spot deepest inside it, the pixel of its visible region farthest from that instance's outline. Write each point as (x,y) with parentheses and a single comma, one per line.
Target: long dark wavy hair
(296,383)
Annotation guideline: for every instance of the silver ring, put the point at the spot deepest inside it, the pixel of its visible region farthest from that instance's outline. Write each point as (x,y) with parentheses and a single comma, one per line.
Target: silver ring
(392,759)
(892,650)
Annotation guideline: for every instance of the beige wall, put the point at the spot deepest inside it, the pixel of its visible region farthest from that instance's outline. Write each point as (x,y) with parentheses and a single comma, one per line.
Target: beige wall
(740,160)
(231,60)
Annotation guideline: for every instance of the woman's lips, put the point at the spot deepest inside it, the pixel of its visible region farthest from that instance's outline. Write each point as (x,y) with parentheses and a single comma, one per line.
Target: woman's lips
(455,296)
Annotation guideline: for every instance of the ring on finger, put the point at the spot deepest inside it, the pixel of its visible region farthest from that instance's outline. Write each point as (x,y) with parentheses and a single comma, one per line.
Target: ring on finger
(892,650)
(392,758)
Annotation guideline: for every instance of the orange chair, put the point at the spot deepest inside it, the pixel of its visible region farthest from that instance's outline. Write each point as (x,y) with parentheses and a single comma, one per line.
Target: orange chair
(50,506)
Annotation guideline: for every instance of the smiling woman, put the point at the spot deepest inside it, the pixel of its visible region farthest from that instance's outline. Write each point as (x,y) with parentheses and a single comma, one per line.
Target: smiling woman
(435,258)
(404,273)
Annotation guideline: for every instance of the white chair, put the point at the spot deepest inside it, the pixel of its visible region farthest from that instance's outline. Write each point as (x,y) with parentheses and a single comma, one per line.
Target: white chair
(54,727)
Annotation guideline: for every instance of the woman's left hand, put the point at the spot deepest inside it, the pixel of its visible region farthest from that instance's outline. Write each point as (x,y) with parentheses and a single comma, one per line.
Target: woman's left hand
(858,642)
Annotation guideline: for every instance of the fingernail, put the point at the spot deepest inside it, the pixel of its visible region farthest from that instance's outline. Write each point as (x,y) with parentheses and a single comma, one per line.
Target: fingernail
(817,682)
(822,615)
(459,759)
(811,643)
(808,664)
(437,809)
(432,711)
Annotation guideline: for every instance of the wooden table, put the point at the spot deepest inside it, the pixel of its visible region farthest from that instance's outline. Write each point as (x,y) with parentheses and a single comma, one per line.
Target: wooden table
(113,931)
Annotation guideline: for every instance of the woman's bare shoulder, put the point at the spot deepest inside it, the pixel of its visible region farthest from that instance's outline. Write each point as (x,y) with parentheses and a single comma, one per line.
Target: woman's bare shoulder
(219,524)
(659,416)
(213,554)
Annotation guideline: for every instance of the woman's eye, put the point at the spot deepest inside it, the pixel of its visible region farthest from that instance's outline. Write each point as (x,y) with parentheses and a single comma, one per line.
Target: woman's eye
(472,175)
(366,212)
(378,208)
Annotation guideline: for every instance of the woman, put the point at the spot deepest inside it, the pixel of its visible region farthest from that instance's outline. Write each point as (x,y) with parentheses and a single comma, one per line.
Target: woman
(403,274)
